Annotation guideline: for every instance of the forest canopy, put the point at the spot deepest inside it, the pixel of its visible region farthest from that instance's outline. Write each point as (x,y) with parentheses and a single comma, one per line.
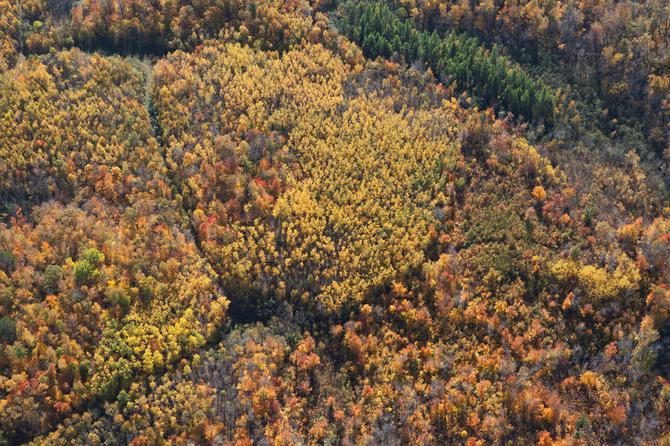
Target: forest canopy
(401,222)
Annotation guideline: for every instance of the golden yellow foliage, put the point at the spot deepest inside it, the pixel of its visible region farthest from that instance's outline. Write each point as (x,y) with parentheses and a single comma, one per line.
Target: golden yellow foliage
(368,181)
(600,284)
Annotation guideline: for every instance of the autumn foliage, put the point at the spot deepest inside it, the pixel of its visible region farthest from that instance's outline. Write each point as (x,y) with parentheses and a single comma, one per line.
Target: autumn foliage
(315,223)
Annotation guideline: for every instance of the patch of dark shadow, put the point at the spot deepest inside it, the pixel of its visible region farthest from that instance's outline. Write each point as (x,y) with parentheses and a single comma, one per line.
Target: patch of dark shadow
(662,363)
(156,128)
(252,307)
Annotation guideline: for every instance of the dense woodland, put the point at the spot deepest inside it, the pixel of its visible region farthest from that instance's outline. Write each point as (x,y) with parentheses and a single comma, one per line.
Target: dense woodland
(400,222)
